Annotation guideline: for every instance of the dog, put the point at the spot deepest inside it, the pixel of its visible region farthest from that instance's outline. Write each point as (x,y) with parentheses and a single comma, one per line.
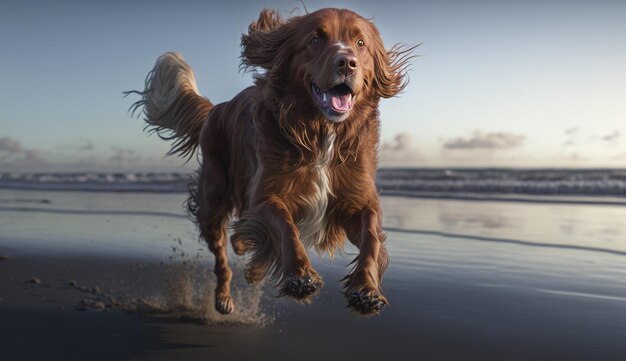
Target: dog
(292,158)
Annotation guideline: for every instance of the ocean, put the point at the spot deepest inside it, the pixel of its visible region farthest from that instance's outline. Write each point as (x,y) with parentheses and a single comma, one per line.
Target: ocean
(409,182)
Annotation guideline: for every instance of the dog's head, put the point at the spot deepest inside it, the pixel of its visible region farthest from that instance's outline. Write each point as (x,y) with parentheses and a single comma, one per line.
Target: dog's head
(332,59)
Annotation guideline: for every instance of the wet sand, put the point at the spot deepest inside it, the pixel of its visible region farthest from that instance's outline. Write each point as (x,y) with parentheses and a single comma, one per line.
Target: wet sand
(485,281)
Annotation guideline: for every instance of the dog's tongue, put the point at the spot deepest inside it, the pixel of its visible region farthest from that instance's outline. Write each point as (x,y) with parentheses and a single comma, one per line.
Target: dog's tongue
(341,102)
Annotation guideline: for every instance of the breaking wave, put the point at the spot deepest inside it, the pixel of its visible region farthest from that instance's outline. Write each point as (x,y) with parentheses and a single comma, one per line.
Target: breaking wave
(407,182)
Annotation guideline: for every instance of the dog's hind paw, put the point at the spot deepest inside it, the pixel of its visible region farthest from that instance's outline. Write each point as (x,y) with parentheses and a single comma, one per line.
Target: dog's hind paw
(224,304)
(301,289)
(366,302)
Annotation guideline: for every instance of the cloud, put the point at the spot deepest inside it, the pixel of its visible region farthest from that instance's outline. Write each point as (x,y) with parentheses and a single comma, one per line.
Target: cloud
(124,155)
(10,145)
(12,155)
(571,134)
(32,158)
(400,142)
(398,151)
(612,137)
(26,159)
(488,141)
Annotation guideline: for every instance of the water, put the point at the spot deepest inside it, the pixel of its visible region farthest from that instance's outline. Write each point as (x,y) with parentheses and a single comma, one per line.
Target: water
(407,182)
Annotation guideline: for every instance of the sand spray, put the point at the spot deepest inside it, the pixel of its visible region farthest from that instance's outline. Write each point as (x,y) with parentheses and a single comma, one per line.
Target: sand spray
(187,292)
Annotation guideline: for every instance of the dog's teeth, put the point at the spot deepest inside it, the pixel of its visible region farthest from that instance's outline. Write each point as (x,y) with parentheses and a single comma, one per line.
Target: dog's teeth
(324,97)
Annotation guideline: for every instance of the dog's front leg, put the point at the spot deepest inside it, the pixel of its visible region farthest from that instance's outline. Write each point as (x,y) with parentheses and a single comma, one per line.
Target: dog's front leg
(363,285)
(270,230)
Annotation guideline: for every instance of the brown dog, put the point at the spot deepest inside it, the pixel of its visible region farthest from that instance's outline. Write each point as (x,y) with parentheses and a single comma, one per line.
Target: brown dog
(293,157)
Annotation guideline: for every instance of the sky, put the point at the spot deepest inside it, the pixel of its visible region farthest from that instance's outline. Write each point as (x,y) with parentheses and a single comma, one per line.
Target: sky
(528,84)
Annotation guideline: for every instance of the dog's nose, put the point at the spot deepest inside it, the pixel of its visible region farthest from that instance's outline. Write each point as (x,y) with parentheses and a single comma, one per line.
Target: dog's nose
(346,64)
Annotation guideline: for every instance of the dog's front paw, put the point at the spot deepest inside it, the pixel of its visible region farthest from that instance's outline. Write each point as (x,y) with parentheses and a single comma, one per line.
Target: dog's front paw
(301,289)
(224,304)
(366,302)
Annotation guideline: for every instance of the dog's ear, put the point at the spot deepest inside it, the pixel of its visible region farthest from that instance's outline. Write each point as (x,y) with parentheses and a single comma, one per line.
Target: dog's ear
(262,45)
(269,19)
(391,66)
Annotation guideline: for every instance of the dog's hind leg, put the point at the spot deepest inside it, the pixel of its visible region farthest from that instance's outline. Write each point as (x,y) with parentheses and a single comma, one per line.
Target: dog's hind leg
(213,211)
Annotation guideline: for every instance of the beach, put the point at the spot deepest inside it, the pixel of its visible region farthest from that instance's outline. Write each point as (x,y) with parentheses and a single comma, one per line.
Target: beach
(122,276)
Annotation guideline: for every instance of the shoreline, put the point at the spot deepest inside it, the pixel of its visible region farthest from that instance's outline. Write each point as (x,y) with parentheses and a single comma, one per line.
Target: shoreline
(601,200)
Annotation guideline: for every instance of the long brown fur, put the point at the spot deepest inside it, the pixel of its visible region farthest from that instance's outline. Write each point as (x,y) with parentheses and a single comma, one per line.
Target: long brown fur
(292,172)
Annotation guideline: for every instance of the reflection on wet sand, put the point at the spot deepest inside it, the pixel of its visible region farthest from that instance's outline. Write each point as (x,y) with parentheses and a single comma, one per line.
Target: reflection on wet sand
(492,280)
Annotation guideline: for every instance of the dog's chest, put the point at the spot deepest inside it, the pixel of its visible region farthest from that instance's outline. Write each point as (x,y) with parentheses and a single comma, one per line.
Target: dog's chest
(312,224)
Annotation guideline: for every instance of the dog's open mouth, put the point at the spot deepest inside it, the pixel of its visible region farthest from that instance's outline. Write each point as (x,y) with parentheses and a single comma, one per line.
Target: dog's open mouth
(336,101)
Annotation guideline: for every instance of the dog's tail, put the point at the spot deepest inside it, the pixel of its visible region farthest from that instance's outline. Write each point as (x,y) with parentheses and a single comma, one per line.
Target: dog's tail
(172,106)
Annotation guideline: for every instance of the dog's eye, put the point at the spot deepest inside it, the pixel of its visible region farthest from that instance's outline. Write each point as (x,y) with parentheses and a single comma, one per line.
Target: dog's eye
(360,43)
(316,40)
